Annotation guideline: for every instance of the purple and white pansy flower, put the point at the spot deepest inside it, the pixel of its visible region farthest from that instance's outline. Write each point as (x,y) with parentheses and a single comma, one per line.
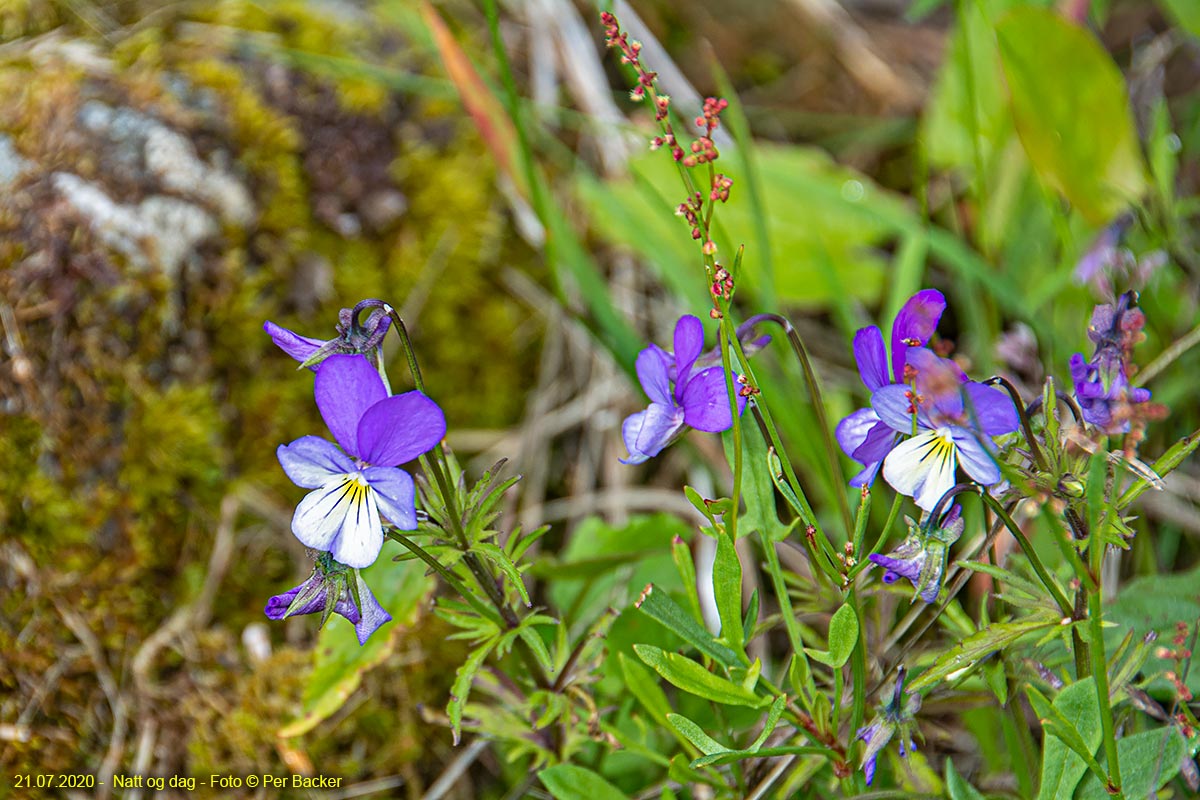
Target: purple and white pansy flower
(862,435)
(681,396)
(356,484)
(950,421)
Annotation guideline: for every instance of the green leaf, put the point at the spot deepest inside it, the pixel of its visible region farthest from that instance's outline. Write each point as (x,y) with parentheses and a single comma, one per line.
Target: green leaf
(463,679)
(659,606)
(339,662)
(1148,760)
(569,782)
(498,557)
(1075,716)
(1156,603)
(690,676)
(1071,108)
(843,635)
(967,653)
(642,685)
(696,735)
(958,788)
(758,488)
(727,589)
(773,716)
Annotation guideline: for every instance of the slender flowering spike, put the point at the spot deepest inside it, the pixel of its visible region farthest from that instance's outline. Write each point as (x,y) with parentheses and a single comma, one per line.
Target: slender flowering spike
(896,716)
(681,395)
(1102,385)
(353,486)
(327,590)
(863,435)
(951,420)
(353,337)
(921,558)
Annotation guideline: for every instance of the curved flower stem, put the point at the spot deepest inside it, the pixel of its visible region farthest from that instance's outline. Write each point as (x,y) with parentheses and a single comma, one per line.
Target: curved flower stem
(814,393)
(446,575)
(1023,413)
(435,465)
(1034,561)
(1036,405)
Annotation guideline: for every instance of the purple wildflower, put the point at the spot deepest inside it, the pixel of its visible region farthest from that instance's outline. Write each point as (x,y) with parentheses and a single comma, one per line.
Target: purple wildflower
(680,395)
(921,558)
(951,421)
(327,590)
(863,435)
(353,337)
(357,483)
(896,715)
(1102,384)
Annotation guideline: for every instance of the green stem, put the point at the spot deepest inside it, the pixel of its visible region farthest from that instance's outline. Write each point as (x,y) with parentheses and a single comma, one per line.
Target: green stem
(448,576)
(1095,605)
(1034,560)
(731,389)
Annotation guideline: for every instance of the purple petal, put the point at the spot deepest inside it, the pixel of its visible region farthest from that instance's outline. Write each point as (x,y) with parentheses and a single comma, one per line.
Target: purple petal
(346,386)
(689,341)
(652,372)
(705,401)
(871,357)
(975,459)
(277,606)
(938,381)
(296,346)
(398,429)
(905,568)
(394,494)
(915,324)
(648,432)
(878,443)
(867,476)
(869,769)
(373,615)
(852,431)
(993,409)
(893,405)
(311,461)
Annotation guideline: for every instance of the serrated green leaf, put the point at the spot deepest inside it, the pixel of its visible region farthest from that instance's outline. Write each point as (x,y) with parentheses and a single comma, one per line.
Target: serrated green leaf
(1071,108)
(727,590)
(497,556)
(571,782)
(696,735)
(692,677)
(659,606)
(339,662)
(463,678)
(967,653)
(1148,760)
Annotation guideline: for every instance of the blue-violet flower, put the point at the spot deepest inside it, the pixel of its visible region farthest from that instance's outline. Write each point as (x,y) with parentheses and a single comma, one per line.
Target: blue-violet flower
(353,337)
(863,435)
(357,483)
(1102,385)
(951,421)
(921,558)
(897,715)
(328,591)
(680,395)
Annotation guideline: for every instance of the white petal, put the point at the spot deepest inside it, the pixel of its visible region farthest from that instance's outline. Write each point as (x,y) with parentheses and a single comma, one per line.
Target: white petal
(318,518)
(361,538)
(922,467)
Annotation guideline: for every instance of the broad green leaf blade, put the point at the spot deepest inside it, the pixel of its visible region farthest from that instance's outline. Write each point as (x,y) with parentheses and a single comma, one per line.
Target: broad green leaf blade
(690,676)
(772,720)
(659,606)
(758,487)
(727,589)
(1156,603)
(569,782)
(1148,761)
(1071,108)
(843,634)
(967,653)
(696,735)
(1186,13)
(1062,766)
(339,662)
